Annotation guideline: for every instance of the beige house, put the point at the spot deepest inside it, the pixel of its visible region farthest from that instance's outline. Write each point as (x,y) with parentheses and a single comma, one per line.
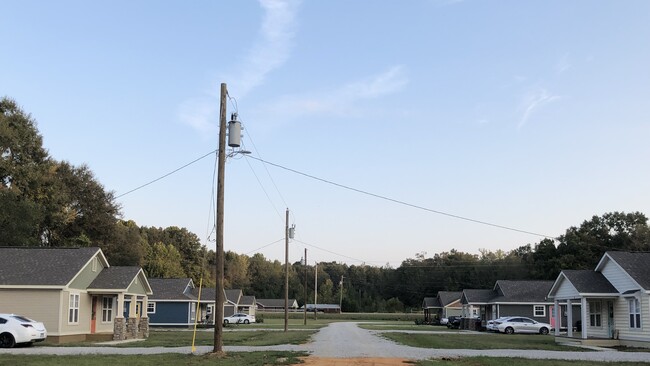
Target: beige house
(74,292)
(614,300)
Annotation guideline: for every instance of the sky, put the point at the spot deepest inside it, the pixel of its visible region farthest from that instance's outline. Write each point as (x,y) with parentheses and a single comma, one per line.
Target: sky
(389,128)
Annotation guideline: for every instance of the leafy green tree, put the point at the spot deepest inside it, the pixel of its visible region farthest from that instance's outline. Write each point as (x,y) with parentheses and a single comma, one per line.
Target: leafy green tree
(19,220)
(163,261)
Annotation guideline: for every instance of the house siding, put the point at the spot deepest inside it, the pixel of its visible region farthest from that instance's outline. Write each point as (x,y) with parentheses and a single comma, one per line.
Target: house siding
(526,310)
(170,313)
(566,291)
(622,320)
(137,288)
(603,330)
(40,305)
(86,276)
(85,301)
(618,278)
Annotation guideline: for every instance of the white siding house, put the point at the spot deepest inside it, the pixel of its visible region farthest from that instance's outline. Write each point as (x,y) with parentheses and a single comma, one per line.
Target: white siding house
(614,299)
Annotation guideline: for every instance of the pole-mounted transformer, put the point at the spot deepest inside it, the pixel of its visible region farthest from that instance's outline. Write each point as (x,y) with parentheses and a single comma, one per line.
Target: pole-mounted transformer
(234,131)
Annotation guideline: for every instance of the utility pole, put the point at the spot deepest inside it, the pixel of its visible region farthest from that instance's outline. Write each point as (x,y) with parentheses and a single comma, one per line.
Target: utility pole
(315,288)
(305,292)
(341,289)
(286,273)
(221,169)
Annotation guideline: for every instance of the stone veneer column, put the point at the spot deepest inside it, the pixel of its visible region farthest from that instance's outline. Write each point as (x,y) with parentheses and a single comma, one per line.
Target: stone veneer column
(143,328)
(119,329)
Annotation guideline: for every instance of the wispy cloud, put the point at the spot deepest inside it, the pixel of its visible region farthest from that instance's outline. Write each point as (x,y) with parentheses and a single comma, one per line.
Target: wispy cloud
(271,50)
(563,64)
(533,101)
(342,100)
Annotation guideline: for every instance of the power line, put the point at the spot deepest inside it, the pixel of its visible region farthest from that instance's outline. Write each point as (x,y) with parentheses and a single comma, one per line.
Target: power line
(398,201)
(331,252)
(267,245)
(166,175)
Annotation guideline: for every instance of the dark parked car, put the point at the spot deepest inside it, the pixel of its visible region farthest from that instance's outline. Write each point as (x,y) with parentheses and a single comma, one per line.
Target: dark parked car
(453,322)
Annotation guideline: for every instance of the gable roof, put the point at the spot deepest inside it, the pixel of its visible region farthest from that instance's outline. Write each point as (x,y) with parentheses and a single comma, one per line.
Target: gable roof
(171,288)
(430,302)
(521,291)
(44,266)
(477,296)
(447,297)
(589,282)
(274,303)
(636,264)
(233,296)
(119,278)
(247,300)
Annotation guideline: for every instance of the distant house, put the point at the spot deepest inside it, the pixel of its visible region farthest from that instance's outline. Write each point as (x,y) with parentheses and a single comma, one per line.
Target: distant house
(324,308)
(476,303)
(178,302)
(614,299)
(275,304)
(522,298)
(444,305)
(173,302)
(75,293)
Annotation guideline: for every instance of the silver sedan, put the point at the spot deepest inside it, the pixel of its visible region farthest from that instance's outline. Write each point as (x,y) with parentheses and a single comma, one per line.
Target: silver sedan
(519,324)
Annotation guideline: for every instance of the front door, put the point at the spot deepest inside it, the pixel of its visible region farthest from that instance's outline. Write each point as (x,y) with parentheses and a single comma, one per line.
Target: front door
(93,316)
(610,318)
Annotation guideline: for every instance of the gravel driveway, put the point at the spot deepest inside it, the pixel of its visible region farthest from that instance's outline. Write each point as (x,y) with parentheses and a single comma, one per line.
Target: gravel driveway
(347,340)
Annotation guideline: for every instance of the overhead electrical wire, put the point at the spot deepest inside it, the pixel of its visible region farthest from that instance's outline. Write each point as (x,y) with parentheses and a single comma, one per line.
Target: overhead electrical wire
(166,175)
(398,201)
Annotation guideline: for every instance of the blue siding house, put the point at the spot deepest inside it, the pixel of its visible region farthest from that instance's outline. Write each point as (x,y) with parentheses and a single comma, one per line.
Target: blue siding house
(172,303)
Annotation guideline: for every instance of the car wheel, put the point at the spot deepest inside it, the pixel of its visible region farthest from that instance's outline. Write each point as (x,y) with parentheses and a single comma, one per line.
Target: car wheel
(7,340)
(246,321)
(225,321)
(509,330)
(543,331)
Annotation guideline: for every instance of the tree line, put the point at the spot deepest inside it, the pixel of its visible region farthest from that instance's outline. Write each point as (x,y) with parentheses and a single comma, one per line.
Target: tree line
(49,203)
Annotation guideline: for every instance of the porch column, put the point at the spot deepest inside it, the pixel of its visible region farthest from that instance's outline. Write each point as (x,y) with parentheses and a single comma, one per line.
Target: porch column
(132,305)
(145,305)
(120,306)
(557,316)
(583,316)
(569,318)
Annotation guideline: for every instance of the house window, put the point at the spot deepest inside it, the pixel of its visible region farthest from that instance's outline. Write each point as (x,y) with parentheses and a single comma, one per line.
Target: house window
(635,313)
(595,314)
(73,309)
(192,311)
(539,310)
(107,309)
(94,265)
(151,308)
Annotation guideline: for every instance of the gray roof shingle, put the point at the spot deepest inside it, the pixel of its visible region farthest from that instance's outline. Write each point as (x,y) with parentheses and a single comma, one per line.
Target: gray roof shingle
(589,282)
(447,297)
(170,289)
(42,266)
(480,296)
(430,302)
(522,291)
(114,278)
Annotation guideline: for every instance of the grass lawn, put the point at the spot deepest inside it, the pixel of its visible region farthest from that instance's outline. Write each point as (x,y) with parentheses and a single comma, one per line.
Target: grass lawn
(479,341)
(206,338)
(496,361)
(293,324)
(231,359)
(176,338)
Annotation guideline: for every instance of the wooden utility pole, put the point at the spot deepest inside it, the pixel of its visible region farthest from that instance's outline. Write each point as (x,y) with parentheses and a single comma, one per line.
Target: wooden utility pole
(286,273)
(315,288)
(221,169)
(305,292)
(341,300)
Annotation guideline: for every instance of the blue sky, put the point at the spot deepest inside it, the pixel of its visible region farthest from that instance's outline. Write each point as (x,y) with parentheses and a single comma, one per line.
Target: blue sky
(528,114)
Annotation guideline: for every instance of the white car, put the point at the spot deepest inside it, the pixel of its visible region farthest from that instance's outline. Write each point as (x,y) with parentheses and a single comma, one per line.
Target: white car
(520,324)
(491,325)
(239,318)
(15,329)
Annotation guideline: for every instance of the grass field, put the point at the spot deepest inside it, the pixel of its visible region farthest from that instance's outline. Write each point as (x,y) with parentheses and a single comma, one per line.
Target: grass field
(231,359)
